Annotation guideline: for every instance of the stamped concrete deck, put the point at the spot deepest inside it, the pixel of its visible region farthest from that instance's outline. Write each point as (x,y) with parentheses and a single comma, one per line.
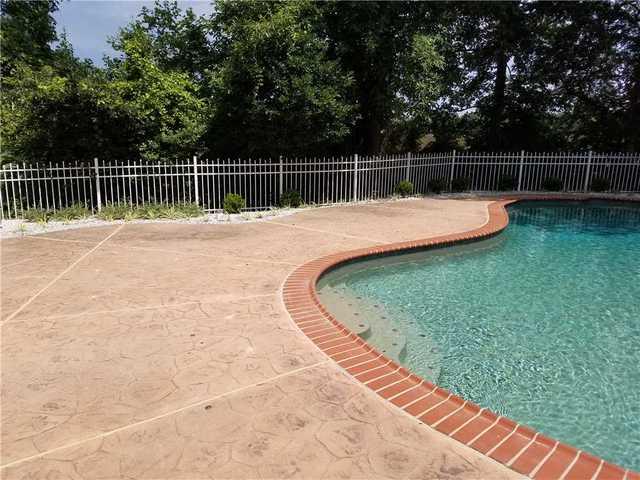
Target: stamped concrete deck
(164,351)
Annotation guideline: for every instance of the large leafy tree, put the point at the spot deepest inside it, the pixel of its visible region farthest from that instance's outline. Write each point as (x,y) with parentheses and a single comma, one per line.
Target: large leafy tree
(305,78)
(63,111)
(395,63)
(28,28)
(178,39)
(275,89)
(166,103)
(539,75)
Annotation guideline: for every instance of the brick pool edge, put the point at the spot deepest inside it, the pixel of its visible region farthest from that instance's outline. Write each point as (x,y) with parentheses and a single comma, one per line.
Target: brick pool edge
(516,446)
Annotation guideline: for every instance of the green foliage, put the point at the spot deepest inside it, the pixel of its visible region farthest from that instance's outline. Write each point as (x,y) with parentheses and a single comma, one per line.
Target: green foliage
(507,183)
(306,78)
(115,211)
(290,199)
(150,211)
(460,184)
(552,184)
(275,89)
(600,184)
(28,28)
(437,185)
(36,215)
(74,212)
(404,188)
(166,104)
(233,203)
(51,115)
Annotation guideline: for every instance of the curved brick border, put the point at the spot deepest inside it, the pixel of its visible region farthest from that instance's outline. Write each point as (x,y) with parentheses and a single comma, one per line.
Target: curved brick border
(516,446)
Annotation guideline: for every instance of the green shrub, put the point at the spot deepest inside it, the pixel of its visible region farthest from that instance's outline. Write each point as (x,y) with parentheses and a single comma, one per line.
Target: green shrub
(437,185)
(290,199)
(404,188)
(460,184)
(552,184)
(74,212)
(36,215)
(507,183)
(117,211)
(233,203)
(600,184)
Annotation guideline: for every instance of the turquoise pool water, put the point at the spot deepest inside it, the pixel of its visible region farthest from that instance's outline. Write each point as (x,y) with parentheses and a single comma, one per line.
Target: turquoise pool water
(540,323)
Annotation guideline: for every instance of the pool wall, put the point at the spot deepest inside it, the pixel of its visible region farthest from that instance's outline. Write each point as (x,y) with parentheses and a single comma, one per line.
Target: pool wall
(516,446)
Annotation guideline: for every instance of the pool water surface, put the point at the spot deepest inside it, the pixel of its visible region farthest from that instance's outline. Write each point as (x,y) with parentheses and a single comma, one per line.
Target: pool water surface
(540,323)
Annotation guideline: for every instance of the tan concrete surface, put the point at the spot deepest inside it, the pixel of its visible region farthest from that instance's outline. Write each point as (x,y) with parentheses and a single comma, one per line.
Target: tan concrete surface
(164,351)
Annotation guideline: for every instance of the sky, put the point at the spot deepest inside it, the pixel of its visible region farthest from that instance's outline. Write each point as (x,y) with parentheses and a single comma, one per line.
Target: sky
(89,23)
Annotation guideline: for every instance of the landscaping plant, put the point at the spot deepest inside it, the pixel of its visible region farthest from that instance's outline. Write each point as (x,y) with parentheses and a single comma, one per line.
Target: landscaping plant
(74,212)
(507,183)
(233,203)
(36,215)
(436,185)
(461,184)
(552,184)
(290,199)
(404,188)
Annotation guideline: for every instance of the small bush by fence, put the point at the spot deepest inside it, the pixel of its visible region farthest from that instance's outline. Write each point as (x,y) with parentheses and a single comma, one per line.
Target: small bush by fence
(262,182)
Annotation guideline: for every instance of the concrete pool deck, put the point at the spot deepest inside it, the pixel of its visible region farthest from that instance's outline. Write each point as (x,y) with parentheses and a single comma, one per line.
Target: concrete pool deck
(165,351)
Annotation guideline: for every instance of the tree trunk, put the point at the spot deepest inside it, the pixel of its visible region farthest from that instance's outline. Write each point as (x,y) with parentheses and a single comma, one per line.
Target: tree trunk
(634,109)
(497,112)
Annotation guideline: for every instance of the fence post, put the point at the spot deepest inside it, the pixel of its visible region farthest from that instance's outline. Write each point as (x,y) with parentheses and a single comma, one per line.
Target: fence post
(453,167)
(355,177)
(520,170)
(587,174)
(98,194)
(195,179)
(281,177)
(407,173)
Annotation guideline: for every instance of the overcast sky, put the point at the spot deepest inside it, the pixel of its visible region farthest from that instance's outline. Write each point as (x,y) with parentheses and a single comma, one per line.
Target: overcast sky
(89,23)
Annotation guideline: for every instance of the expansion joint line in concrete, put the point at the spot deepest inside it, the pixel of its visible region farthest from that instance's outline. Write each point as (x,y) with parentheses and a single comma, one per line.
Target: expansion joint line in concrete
(163,415)
(60,275)
(326,232)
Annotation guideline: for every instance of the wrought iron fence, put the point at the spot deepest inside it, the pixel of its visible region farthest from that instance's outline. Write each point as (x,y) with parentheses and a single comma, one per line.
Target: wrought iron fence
(318,180)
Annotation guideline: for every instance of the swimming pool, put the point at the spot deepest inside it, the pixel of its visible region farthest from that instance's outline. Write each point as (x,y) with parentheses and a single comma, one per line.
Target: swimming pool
(540,324)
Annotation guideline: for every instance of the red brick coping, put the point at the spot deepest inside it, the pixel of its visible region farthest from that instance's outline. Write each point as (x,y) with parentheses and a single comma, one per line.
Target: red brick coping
(516,446)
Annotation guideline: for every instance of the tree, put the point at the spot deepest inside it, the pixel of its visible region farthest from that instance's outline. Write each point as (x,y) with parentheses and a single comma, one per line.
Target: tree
(166,104)
(64,112)
(28,29)
(275,91)
(385,46)
(177,38)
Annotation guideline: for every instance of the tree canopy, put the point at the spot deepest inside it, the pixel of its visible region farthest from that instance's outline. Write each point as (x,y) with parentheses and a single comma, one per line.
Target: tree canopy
(267,78)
